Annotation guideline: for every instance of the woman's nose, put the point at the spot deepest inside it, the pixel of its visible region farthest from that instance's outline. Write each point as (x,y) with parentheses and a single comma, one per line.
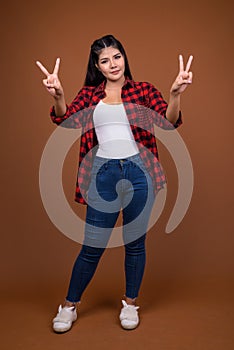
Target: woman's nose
(112,64)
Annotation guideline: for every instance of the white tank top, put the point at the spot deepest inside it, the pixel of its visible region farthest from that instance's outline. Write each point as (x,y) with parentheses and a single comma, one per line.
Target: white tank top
(113,131)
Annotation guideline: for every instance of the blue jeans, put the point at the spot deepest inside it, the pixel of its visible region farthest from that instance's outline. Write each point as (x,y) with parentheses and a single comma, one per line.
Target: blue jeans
(115,185)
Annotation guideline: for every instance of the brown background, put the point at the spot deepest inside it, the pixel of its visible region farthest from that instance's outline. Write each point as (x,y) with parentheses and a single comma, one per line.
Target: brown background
(187,294)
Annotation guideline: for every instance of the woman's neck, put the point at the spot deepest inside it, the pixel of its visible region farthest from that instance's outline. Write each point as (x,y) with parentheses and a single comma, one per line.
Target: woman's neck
(113,91)
(115,85)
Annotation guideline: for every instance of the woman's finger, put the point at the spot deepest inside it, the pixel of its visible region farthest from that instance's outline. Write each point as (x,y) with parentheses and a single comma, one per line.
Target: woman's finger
(189,63)
(181,63)
(45,82)
(56,67)
(190,77)
(42,68)
(185,81)
(56,84)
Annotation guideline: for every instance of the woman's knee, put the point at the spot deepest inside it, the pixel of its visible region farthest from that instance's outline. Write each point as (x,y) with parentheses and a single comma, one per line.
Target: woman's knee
(91,253)
(137,246)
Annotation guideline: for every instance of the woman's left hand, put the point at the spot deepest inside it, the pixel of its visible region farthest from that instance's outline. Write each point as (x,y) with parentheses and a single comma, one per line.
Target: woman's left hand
(184,78)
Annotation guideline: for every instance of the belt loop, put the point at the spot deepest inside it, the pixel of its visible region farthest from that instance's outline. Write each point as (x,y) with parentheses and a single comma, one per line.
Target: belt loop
(121,164)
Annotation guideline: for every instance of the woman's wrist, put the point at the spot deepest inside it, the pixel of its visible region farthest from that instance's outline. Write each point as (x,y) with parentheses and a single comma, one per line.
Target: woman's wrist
(174,94)
(59,96)
(60,105)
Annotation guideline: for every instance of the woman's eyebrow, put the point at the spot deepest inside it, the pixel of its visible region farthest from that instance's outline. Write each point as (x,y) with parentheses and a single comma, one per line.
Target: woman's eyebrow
(106,58)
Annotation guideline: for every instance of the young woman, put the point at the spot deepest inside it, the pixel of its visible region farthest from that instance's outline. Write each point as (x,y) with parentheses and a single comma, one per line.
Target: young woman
(119,167)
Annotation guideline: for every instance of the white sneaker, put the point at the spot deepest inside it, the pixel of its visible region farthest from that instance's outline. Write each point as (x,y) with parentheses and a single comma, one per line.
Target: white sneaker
(129,316)
(65,316)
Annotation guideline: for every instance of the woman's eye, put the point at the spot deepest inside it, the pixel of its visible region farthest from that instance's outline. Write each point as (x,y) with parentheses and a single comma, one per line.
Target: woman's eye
(115,57)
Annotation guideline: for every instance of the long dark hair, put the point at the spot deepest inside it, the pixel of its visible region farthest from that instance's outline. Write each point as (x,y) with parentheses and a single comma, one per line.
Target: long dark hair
(93,76)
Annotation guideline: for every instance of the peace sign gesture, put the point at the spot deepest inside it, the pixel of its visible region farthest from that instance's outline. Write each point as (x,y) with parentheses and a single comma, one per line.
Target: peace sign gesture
(184,78)
(52,82)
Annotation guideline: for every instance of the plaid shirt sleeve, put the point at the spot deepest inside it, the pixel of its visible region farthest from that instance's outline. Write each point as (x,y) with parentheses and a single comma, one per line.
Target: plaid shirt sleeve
(76,109)
(156,102)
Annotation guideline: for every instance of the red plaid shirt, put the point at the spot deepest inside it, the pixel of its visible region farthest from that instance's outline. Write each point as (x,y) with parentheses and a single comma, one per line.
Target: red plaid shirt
(144,107)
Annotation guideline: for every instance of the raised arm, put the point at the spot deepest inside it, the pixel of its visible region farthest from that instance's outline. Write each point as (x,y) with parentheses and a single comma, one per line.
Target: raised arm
(54,87)
(183,79)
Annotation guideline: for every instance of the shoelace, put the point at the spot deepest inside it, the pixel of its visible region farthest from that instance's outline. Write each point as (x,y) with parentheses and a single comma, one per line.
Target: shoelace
(64,315)
(129,311)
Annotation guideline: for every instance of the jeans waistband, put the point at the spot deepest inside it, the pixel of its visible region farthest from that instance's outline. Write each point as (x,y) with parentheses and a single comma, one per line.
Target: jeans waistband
(132,159)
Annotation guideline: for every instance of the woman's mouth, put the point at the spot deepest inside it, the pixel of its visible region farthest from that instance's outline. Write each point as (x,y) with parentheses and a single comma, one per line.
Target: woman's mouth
(115,72)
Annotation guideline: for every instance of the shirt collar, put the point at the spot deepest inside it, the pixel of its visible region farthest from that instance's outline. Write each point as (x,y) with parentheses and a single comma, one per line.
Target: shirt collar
(100,88)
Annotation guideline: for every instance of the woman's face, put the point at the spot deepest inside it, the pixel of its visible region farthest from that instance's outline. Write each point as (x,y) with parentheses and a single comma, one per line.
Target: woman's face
(111,64)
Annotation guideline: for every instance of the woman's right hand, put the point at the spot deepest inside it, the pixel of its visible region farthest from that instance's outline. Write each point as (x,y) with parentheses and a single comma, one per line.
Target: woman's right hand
(52,82)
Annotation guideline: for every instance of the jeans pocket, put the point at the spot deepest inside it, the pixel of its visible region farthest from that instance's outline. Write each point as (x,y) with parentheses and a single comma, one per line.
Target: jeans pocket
(97,168)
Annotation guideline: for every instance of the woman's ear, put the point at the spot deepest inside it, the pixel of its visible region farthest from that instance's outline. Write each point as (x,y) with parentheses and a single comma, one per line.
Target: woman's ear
(97,66)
